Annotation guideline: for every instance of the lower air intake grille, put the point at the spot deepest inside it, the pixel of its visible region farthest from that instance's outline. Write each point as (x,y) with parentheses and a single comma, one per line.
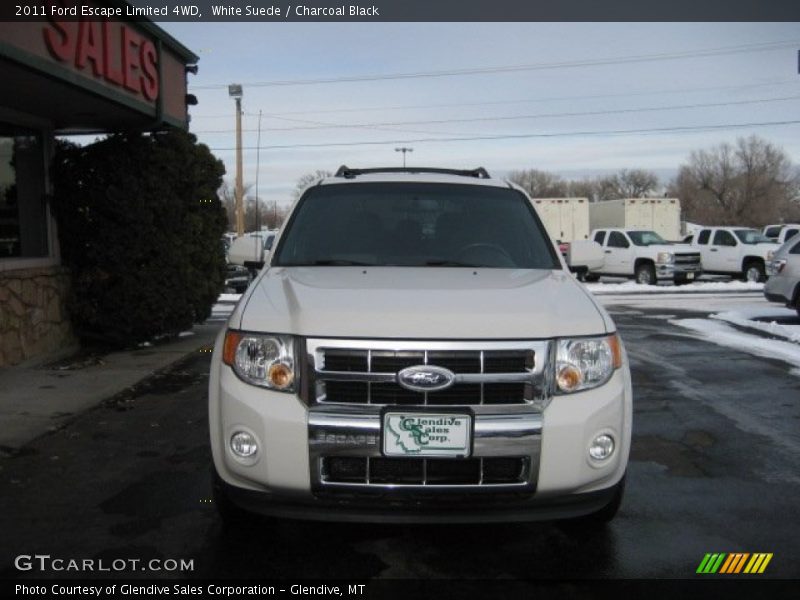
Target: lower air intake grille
(424,471)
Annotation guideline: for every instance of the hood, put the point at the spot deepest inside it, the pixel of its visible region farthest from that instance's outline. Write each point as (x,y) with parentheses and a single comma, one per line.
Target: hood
(676,248)
(762,248)
(432,303)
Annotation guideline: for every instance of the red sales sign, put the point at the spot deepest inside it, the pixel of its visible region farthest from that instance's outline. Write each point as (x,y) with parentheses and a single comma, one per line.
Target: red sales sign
(111,51)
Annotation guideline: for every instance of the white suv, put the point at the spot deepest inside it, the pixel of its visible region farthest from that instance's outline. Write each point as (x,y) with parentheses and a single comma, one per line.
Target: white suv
(415,350)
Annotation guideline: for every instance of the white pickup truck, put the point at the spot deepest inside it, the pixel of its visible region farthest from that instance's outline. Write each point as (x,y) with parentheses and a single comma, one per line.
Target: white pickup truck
(644,256)
(781,233)
(735,251)
(415,350)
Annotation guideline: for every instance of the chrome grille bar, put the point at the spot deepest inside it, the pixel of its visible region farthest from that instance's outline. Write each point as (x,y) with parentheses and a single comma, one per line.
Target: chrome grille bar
(356,355)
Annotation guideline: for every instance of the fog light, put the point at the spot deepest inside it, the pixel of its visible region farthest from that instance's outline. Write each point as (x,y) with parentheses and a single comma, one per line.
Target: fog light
(602,447)
(243,444)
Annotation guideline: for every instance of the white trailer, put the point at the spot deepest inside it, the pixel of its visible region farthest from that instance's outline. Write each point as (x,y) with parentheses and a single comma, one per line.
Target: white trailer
(662,215)
(566,219)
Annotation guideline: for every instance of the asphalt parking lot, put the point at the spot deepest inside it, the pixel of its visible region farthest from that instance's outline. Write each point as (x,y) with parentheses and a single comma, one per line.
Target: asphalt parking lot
(716,445)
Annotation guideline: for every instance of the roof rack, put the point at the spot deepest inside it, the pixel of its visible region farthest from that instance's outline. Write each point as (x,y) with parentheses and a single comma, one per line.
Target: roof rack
(348,173)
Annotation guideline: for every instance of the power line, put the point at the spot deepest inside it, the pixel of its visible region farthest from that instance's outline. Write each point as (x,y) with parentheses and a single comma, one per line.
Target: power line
(525,136)
(321,125)
(761,47)
(506,102)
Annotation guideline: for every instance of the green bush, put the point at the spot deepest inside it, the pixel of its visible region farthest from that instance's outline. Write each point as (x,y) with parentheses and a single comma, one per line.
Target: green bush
(140,226)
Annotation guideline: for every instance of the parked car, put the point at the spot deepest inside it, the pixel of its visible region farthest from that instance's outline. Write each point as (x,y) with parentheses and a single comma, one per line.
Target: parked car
(782,232)
(736,251)
(251,249)
(237,279)
(644,256)
(783,284)
(415,350)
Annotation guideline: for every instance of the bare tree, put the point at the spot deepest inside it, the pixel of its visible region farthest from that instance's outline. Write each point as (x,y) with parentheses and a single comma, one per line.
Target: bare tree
(227,196)
(539,184)
(307,179)
(634,183)
(750,183)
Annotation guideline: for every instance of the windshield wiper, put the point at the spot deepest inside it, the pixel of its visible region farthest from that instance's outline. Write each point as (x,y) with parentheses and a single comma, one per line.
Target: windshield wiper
(331,263)
(451,263)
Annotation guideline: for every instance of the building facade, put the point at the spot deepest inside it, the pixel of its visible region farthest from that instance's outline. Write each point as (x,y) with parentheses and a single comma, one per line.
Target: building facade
(63,78)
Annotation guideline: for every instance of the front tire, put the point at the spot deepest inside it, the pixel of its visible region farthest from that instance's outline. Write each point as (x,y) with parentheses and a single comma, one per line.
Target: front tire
(232,516)
(602,517)
(645,274)
(754,271)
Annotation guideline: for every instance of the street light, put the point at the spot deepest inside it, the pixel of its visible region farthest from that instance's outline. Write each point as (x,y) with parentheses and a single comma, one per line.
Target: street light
(404,149)
(235,92)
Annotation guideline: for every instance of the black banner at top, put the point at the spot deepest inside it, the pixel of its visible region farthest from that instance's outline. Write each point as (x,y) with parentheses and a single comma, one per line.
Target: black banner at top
(244,11)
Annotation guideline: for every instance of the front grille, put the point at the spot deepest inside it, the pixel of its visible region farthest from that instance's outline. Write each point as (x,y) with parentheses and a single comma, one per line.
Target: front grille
(425,471)
(369,376)
(687,259)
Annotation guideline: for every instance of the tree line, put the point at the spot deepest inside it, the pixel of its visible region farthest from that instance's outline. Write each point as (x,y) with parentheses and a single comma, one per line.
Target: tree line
(751,182)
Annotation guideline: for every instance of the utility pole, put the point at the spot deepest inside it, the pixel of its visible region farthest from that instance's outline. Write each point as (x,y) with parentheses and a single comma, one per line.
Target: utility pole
(258,166)
(235,92)
(404,150)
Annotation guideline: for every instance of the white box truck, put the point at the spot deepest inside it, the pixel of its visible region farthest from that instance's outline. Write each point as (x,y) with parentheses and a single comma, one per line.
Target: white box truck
(662,215)
(566,219)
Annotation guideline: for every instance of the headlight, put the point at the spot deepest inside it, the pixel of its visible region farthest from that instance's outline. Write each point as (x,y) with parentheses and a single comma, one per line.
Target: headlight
(776,266)
(665,258)
(261,359)
(586,363)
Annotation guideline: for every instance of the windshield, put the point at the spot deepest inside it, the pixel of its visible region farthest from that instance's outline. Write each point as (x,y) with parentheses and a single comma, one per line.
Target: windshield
(415,224)
(751,236)
(645,238)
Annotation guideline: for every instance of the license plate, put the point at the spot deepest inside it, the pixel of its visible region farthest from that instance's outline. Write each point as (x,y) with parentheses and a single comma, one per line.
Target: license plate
(690,276)
(426,434)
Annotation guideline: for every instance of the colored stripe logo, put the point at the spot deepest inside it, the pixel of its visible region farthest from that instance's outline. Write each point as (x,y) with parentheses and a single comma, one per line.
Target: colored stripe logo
(734,563)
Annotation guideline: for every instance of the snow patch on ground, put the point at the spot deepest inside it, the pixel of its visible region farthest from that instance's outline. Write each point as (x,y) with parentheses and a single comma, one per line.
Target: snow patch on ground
(631,287)
(229,298)
(744,318)
(719,333)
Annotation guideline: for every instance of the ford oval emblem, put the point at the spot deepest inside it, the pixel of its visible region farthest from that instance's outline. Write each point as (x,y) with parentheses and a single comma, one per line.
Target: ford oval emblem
(426,378)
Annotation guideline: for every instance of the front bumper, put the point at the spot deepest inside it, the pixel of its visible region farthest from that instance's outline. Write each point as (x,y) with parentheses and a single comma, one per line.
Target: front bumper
(408,510)
(677,271)
(293,438)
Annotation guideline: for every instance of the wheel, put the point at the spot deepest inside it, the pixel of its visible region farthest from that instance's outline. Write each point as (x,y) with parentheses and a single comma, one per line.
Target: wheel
(233,517)
(645,274)
(591,277)
(601,517)
(754,271)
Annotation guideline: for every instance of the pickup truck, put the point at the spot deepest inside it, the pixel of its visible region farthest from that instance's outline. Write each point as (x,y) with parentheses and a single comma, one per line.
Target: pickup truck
(645,256)
(416,351)
(736,251)
(781,233)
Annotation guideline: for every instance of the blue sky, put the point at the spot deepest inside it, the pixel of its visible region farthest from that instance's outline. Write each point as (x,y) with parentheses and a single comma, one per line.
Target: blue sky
(752,86)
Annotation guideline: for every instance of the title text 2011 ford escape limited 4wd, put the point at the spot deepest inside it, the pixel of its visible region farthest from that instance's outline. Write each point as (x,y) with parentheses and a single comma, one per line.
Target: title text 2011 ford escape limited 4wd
(416,351)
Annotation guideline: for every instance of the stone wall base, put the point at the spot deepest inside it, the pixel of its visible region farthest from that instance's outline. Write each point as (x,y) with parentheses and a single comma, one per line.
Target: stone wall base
(33,319)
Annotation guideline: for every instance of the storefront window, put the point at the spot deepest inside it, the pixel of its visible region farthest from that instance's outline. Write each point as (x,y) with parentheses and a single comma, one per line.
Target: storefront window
(23,214)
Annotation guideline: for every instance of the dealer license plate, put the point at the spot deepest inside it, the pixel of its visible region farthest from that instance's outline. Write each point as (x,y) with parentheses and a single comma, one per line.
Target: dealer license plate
(426,434)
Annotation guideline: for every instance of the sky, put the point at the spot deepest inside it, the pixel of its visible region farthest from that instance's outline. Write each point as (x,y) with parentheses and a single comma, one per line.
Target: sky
(550,96)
